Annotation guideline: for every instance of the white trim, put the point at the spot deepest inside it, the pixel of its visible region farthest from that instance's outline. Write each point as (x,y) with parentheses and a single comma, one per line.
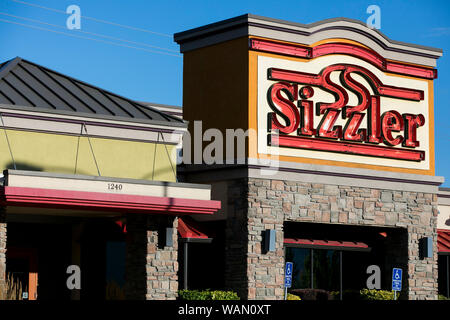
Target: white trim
(105,128)
(104,185)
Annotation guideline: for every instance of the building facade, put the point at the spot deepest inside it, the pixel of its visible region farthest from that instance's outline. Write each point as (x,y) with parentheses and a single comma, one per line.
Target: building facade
(311,144)
(338,170)
(89,197)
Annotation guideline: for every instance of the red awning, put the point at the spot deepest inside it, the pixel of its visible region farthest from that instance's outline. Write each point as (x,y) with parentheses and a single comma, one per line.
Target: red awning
(443,241)
(311,243)
(189,229)
(83,200)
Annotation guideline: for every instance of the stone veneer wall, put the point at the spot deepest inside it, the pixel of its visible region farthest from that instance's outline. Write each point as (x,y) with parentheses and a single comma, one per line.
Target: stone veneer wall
(151,267)
(236,239)
(257,275)
(2,252)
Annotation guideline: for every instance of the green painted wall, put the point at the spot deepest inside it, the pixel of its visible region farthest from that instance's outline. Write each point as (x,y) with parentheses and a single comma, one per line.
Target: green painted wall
(57,153)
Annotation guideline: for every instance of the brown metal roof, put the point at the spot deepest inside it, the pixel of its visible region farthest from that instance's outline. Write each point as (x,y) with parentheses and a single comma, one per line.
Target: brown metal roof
(26,84)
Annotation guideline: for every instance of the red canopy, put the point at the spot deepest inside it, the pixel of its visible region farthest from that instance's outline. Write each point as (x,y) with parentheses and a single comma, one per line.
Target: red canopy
(327,243)
(443,241)
(189,229)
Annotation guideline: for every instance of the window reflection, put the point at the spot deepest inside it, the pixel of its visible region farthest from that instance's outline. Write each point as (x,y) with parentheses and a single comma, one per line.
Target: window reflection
(326,269)
(321,269)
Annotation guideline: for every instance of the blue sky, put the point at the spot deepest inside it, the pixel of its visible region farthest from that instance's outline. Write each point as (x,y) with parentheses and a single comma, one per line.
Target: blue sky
(157,77)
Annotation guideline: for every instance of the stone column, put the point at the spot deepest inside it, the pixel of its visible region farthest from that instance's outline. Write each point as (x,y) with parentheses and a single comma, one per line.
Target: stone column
(236,240)
(151,267)
(265,269)
(423,272)
(2,254)
(162,261)
(251,272)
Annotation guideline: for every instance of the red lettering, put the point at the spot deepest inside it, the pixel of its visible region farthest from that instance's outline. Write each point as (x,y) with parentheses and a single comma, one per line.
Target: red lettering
(282,107)
(380,128)
(373,121)
(337,91)
(361,92)
(306,112)
(391,121)
(351,131)
(327,123)
(412,122)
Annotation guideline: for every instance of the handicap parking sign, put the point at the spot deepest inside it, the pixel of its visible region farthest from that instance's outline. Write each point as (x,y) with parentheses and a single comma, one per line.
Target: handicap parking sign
(397,279)
(288,275)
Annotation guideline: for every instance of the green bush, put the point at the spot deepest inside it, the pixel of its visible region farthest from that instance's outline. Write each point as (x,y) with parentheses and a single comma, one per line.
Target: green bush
(346,295)
(364,294)
(442,297)
(224,295)
(207,295)
(312,294)
(291,296)
(367,294)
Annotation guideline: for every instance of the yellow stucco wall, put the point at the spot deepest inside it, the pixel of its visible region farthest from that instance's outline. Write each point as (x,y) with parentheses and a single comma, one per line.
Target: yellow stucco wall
(56,153)
(215,86)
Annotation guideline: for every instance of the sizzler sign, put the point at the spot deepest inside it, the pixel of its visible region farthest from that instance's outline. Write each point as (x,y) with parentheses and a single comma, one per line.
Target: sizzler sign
(346,106)
(297,108)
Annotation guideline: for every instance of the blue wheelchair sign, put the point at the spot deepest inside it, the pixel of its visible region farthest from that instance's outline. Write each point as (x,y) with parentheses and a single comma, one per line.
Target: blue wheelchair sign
(396,279)
(288,275)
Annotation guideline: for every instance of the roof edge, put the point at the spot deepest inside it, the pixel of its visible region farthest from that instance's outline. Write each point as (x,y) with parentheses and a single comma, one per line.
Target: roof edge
(9,65)
(179,124)
(250,20)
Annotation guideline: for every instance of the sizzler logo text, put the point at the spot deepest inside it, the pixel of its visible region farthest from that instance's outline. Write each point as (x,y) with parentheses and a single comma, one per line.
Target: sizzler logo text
(390,135)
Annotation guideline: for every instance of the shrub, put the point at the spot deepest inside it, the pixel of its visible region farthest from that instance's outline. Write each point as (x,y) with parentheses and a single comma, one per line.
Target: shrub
(367,294)
(312,294)
(364,294)
(224,295)
(291,296)
(207,295)
(346,295)
(442,297)
(114,291)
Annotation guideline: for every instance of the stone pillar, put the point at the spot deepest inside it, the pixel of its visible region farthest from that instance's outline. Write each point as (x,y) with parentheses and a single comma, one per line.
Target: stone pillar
(251,272)
(151,267)
(423,272)
(162,261)
(2,254)
(236,240)
(265,269)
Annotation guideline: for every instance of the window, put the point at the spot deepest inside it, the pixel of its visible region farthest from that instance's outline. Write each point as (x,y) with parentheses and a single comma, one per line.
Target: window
(443,276)
(330,270)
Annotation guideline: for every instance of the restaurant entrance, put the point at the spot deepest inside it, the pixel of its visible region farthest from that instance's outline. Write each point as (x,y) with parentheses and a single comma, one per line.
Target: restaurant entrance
(40,251)
(333,262)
